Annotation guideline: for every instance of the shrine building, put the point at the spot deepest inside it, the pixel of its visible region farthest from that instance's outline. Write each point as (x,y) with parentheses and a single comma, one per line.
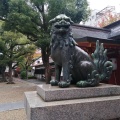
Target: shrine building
(86,37)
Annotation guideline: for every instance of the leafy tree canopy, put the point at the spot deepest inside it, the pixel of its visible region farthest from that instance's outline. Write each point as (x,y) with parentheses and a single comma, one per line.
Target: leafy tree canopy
(31,18)
(14,47)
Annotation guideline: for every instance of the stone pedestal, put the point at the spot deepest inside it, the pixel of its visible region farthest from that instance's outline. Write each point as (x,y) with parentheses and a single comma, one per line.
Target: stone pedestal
(54,103)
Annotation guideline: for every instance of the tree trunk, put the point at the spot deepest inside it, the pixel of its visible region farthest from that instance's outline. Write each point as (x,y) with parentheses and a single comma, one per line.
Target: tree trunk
(26,73)
(3,74)
(47,73)
(10,74)
(3,77)
(45,59)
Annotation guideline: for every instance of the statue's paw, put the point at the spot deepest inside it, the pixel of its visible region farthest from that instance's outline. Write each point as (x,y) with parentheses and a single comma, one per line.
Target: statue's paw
(63,84)
(82,84)
(54,82)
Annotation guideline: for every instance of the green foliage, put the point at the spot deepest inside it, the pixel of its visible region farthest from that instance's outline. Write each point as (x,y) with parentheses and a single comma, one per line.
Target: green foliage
(14,46)
(31,77)
(4,7)
(23,75)
(43,41)
(26,60)
(76,9)
(31,18)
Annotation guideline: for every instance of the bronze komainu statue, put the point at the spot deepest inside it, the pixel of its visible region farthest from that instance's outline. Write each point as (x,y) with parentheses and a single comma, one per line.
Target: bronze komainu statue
(78,67)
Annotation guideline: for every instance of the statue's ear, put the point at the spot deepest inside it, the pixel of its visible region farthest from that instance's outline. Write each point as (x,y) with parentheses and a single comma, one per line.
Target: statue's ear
(52,21)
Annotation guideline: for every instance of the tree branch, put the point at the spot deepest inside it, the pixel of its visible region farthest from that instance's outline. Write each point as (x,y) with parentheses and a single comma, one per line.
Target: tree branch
(15,65)
(38,7)
(38,24)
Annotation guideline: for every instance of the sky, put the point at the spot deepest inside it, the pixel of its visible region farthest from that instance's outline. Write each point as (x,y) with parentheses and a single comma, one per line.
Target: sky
(100,4)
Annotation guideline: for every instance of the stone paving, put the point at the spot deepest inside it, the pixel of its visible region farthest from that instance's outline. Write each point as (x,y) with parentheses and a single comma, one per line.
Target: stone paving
(12,98)
(11,106)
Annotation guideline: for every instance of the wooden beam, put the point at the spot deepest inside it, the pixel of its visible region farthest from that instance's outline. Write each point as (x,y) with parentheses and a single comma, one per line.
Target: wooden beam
(93,45)
(107,45)
(84,44)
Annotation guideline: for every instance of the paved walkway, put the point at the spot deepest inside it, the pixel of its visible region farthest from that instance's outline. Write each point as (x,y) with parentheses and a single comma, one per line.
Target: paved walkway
(11,106)
(12,98)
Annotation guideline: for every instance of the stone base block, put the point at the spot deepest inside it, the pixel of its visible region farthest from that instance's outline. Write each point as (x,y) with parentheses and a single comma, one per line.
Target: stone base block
(54,93)
(98,108)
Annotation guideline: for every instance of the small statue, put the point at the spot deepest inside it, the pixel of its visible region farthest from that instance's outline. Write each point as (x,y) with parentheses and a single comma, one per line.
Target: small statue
(78,67)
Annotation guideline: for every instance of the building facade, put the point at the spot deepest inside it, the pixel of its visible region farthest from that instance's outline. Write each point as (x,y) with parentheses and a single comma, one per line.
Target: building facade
(87,36)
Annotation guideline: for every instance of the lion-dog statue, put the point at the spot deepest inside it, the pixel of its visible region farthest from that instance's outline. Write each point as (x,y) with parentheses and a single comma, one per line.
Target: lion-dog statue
(78,67)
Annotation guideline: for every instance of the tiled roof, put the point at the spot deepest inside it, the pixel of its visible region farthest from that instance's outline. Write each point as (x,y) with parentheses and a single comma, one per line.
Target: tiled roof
(111,31)
(80,31)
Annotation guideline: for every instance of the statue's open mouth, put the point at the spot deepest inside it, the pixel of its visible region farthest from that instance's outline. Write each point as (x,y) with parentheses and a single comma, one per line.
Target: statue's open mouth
(62,26)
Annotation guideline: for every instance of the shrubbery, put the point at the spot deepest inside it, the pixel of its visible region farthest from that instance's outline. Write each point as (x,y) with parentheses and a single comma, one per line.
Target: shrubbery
(23,75)
(32,77)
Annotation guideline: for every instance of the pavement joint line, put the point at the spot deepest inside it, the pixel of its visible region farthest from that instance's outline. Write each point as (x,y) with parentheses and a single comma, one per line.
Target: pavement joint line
(11,106)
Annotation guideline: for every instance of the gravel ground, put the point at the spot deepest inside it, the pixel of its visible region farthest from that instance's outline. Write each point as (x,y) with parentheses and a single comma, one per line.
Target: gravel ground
(14,92)
(10,93)
(13,115)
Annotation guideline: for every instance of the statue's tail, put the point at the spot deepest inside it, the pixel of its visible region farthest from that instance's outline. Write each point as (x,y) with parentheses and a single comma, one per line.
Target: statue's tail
(104,67)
